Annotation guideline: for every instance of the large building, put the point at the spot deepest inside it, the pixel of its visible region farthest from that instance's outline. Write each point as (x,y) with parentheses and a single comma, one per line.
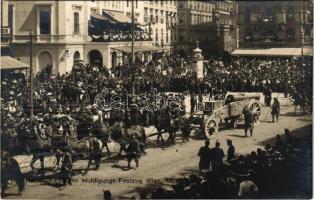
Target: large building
(68,31)
(275,23)
(195,24)
(65,32)
(211,23)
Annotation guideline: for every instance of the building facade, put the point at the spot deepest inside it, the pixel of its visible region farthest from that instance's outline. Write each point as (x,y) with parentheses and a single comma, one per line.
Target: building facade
(275,23)
(212,23)
(224,24)
(162,17)
(195,24)
(60,31)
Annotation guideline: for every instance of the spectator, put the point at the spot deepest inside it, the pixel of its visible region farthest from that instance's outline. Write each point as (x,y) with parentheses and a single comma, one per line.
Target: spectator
(66,169)
(217,163)
(231,151)
(205,157)
(133,151)
(248,121)
(275,109)
(247,189)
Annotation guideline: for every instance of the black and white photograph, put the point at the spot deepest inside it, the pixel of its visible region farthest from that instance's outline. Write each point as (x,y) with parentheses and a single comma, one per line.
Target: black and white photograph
(156,99)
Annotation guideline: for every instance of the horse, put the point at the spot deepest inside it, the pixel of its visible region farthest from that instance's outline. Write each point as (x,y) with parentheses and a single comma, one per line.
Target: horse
(88,147)
(118,133)
(164,122)
(10,170)
(299,100)
(38,145)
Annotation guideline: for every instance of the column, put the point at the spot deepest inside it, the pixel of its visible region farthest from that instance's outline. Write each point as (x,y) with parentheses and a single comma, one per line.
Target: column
(5,13)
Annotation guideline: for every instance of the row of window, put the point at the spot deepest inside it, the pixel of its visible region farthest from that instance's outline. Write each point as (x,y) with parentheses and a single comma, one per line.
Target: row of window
(129,3)
(162,2)
(281,17)
(204,6)
(45,22)
(114,4)
(170,17)
(223,6)
(162,35)
(197,19)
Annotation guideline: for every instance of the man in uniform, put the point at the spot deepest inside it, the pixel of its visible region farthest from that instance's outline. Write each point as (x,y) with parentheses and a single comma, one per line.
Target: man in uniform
(248,120)
(66,169)
(267,93)
(218,155)
(133,151)
(205,157)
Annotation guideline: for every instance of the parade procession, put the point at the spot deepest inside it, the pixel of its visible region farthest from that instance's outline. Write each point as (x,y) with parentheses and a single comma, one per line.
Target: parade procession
(163,99)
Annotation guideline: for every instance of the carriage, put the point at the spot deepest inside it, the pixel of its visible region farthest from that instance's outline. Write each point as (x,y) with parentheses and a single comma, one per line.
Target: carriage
(228,110)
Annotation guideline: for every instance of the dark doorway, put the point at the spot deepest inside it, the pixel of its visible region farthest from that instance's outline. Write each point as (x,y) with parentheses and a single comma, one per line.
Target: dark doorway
(95,58)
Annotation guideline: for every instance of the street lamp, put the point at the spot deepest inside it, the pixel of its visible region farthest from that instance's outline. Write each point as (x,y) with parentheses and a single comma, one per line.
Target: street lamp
(31,98)
(132,51)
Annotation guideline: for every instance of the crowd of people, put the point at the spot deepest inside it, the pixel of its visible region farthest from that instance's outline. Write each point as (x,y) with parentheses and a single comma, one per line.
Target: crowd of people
(252,75)
(65,105)
(74,93)
(264,173)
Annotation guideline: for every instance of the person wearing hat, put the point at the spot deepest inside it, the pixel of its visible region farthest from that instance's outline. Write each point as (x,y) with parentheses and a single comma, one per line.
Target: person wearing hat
(66,169)
(205,155)
(230,151)
(267,93)
(133,151)
(248,120)
(275,109)
(218,155)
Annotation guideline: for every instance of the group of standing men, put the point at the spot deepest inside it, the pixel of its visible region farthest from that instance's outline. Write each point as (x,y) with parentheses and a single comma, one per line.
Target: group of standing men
(212,159)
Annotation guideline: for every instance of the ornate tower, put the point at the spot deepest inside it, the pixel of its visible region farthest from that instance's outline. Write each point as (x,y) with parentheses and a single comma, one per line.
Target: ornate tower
(197,62)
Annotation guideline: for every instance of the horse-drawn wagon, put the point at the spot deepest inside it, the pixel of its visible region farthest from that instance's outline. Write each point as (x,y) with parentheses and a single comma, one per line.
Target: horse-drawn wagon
(228,110)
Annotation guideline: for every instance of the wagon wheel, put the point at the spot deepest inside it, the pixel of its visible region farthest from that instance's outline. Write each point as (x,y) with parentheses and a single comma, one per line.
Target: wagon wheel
(256,110)
(211,127)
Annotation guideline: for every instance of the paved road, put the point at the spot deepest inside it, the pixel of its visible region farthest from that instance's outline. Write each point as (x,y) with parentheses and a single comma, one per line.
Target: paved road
(160,164)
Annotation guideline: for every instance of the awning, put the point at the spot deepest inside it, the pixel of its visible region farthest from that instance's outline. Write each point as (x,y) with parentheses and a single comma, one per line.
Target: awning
(283,52)
(139,48)
(8,62)
(117,16)
(100,17)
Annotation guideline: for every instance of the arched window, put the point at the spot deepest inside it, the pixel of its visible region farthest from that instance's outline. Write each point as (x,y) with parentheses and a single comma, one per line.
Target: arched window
(76,57)
(44,59)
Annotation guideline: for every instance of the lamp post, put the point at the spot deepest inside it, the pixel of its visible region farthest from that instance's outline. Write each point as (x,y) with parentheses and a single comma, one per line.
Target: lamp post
(31,98)
(132,52)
